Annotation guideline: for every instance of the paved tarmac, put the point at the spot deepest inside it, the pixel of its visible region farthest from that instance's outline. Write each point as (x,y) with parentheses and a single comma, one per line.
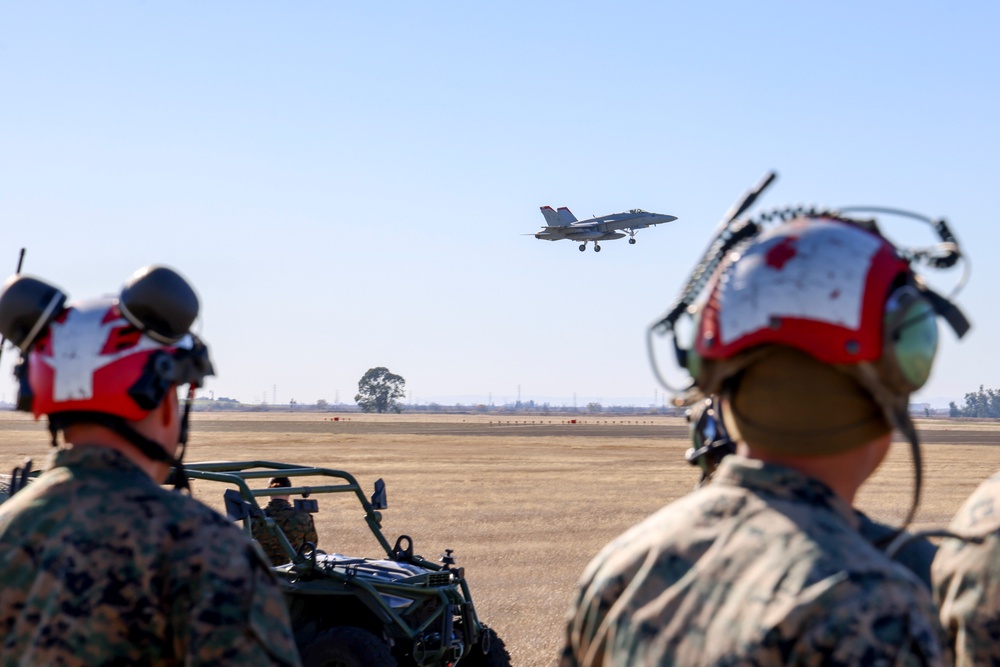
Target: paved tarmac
(956,433)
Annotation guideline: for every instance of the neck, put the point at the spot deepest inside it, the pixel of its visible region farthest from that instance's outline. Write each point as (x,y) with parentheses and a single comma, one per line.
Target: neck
(844,473)
(94,435)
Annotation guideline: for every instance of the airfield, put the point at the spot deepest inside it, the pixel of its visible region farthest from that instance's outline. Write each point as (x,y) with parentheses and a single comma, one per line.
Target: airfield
(524,501)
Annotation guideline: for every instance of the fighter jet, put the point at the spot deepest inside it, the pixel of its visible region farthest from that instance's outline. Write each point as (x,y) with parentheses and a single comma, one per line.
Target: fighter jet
(562,224)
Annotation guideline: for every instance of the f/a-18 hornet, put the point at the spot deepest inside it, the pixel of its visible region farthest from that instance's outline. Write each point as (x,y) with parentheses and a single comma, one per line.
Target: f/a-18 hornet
(562,224)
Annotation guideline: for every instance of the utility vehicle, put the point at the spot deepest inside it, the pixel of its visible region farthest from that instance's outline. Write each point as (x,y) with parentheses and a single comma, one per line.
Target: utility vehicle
(393,608)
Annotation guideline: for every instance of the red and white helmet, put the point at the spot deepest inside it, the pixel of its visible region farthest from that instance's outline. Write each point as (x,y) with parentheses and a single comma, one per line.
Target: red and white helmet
(828,287)
(91,358)
(111,360)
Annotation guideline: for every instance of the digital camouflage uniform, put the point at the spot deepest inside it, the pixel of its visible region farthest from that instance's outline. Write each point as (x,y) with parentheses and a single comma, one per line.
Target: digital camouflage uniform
(967,579)
(101,566)
(916,555)
(297,526)
(763,566)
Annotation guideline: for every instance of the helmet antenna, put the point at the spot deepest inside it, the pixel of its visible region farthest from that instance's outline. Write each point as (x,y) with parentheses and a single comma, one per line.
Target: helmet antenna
(727,235)
(20,263)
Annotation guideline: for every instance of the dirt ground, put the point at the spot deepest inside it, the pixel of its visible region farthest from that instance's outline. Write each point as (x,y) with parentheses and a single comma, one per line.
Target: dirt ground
(525,503)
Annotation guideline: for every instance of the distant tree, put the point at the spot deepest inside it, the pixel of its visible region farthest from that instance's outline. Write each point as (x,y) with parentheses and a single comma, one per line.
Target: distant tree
(322,404)
(594,408)
(378,390)
(982,403)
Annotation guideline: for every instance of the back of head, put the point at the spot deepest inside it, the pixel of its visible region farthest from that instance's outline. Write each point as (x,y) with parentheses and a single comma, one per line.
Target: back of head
(786,402)
(279,483)
(817,333)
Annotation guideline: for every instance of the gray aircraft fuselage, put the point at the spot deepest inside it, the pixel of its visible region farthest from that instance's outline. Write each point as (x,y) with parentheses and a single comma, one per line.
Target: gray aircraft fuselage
(562,225)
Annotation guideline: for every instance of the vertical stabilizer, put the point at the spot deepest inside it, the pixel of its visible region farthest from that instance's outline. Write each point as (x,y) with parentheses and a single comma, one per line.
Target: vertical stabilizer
(551,217)
(566,216)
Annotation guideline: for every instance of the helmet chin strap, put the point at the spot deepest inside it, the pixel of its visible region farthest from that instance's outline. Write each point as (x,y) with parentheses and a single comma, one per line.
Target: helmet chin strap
(896,411)
(905,425)
(180,477)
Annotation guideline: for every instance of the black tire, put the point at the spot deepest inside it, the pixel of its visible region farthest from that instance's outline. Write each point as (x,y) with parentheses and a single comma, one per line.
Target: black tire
(497,657)
(347,647)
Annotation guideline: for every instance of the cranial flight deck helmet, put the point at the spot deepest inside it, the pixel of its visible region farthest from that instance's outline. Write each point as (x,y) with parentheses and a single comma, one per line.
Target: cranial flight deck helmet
(822,283)
(108,361)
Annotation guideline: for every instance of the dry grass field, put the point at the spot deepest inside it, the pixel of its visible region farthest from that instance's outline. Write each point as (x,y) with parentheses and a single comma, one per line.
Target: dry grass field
(524,505)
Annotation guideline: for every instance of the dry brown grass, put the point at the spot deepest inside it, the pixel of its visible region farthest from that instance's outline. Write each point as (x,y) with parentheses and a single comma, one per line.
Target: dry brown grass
(523,512)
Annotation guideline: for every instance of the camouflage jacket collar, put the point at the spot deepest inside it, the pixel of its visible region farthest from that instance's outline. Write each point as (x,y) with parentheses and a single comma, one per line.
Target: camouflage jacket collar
(278,504)
(92,457)
(781,482)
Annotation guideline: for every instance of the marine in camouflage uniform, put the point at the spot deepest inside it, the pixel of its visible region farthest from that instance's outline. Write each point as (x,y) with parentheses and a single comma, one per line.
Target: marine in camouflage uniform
(966,576)
(297,525)
(100,566)
(813,335)
(762,566)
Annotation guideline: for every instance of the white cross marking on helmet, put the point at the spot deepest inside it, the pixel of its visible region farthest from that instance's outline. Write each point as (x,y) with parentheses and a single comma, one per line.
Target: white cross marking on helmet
(77,342)
(814,273)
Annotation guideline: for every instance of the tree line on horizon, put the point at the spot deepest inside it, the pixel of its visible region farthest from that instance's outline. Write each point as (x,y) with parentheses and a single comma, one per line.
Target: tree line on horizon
(981,403)
(379,391)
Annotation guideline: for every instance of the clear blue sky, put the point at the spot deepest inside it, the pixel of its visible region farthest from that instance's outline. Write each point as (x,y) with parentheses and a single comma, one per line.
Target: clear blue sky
(347,184)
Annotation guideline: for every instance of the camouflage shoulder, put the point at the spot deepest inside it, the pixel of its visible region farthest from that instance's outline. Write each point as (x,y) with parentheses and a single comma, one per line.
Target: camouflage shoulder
(979,515)
(238,612)
(861,620)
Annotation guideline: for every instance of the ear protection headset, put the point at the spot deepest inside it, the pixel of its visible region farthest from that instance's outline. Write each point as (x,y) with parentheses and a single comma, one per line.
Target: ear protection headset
(908,306)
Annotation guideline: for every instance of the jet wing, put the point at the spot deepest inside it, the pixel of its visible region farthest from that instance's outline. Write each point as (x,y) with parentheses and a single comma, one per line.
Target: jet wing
(640,222)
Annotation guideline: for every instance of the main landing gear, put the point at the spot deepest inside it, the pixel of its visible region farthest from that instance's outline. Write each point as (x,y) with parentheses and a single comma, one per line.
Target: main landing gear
(583,246)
